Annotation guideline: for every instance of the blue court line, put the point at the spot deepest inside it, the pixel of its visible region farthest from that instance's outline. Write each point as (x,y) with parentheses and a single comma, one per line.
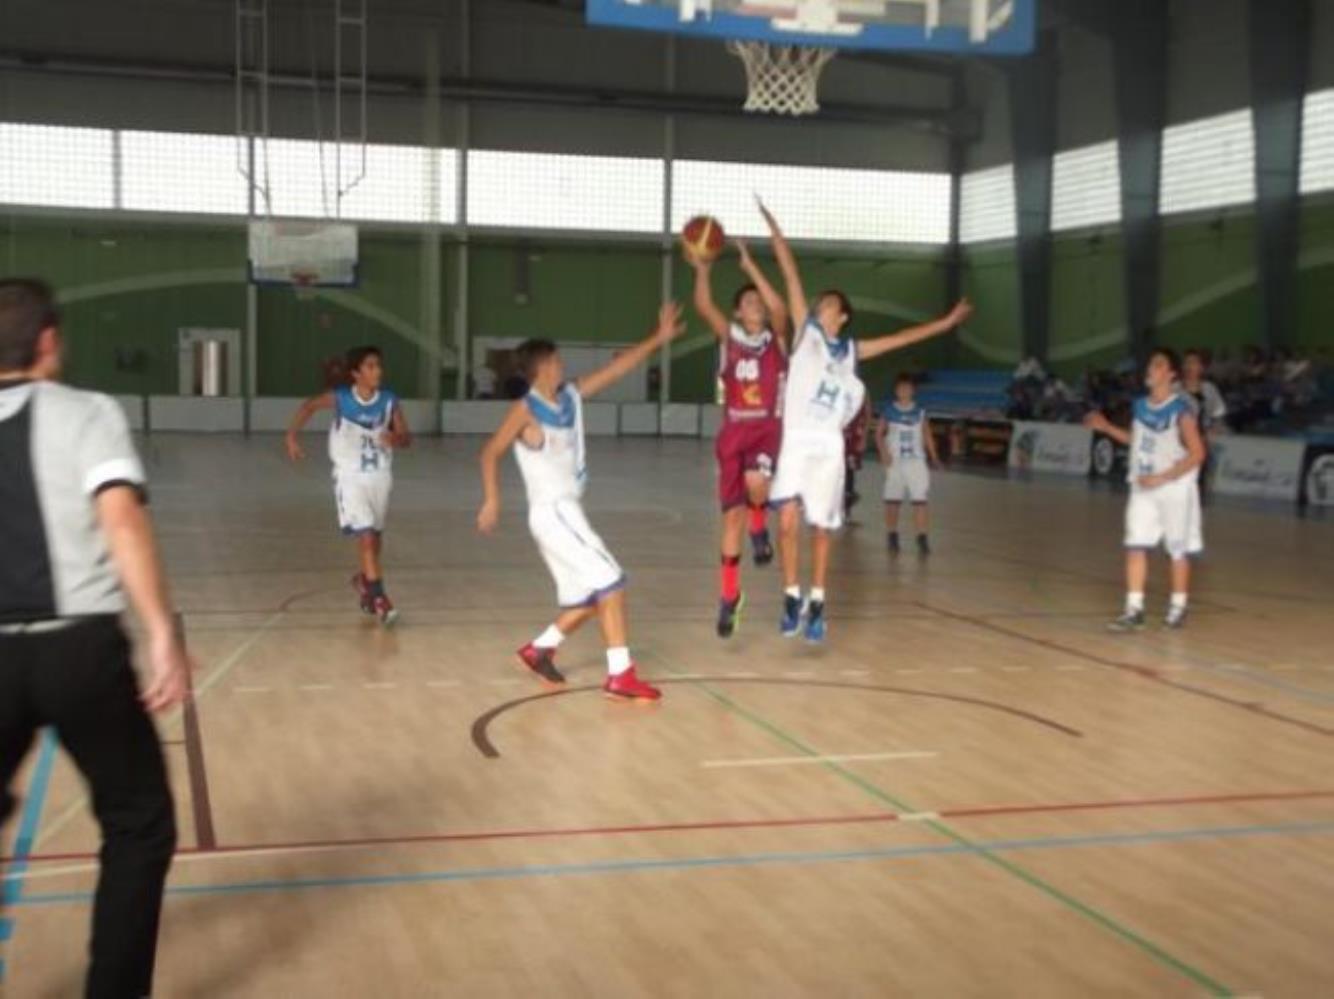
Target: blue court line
(741,860)
(27,834)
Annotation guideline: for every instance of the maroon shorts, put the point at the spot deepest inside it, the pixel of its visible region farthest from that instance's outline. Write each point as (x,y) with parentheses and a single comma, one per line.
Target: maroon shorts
(745,446)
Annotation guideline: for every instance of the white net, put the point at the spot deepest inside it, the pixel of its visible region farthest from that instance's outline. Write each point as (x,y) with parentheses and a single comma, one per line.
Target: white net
(782,79)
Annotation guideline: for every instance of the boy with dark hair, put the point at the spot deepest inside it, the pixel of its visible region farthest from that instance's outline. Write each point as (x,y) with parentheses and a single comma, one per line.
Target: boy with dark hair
(752,366)
(823,394)
(546,431)
(908,451)
(368,426)
(1166,452)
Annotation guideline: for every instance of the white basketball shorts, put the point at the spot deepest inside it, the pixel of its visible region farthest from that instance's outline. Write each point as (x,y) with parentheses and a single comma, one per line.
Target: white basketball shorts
(811,471)
(363,500)
(907,480)
(583,569)
(1169,516)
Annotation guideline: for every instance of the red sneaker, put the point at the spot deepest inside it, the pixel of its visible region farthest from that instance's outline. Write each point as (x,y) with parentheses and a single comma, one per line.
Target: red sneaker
(628,687)
(363,594)
(542,662)
(383,608)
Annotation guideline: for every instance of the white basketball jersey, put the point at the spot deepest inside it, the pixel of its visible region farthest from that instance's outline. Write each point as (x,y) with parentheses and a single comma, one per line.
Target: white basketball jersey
(1156,443)
(823,392)
(555,470)
(355,436)
(907,431)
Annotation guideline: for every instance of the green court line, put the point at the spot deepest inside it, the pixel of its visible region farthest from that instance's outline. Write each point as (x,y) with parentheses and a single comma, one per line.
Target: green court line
(1088,912)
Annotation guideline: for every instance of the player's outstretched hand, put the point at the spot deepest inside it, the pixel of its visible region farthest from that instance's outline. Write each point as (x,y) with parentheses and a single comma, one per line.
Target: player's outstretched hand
(169,680)
(743,251)
(1096,421)
(694,259)
(960,313)
(294,451)
(670,324)
(487,517)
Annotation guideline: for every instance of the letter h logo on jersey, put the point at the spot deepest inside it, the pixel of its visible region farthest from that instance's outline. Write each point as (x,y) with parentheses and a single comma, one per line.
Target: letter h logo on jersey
(827,395)
(370,454)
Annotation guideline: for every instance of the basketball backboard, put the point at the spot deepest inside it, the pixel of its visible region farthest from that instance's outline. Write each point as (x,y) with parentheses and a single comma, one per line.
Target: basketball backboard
(977,27)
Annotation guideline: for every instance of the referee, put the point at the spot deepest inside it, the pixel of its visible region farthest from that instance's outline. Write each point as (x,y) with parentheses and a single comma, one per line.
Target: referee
(73,532)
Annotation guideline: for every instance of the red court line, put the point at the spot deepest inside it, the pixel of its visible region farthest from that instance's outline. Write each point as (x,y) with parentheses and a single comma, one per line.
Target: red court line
(985,811)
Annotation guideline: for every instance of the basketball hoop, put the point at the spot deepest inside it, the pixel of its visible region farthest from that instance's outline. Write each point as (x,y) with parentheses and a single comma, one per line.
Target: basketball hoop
(782,79)
(303,283)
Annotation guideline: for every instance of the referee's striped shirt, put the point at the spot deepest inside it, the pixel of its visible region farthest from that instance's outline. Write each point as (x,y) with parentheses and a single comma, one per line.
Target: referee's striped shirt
(59,448)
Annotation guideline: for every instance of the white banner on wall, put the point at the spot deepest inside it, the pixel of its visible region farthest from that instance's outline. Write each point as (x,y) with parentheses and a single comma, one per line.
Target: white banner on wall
(1063,448)
(1257,467)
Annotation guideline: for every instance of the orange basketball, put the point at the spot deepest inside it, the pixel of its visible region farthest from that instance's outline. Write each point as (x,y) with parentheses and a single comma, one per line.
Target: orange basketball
(703,237)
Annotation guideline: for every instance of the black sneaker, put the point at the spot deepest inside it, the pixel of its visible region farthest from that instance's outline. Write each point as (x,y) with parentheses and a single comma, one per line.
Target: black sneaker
(815,629)
(729,615)
(790,625)
(762,548)
(1176,618)
(923,545)
(1129,621)
(894,542)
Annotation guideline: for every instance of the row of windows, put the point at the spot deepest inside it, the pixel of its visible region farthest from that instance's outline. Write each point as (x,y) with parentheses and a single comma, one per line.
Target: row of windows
(206,174)
(1206,164)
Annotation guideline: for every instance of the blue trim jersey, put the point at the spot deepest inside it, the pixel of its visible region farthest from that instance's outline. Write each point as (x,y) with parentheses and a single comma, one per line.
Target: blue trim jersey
(1156,443)
(907,430)
(823,393)
(555,469)
(355,436)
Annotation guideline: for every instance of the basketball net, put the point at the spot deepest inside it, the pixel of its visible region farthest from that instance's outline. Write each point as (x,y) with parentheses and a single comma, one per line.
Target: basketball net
(303,283)
(782,79)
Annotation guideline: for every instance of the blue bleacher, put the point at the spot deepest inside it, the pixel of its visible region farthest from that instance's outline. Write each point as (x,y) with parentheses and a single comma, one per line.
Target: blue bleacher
(961,393)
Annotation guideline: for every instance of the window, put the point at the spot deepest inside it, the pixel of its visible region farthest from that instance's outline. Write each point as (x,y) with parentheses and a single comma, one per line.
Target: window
(550,191)
(815,203)
(1086,187)
(1318,143)
(396,184)
(986,205)
(1208,163)
(178,172)
(49,165)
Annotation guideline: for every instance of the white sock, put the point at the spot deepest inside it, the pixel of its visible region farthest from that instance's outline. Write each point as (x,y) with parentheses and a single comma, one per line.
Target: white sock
(792,591)
(817,594)
(1135,603)
(618,660)
(549,639)
(1179,601)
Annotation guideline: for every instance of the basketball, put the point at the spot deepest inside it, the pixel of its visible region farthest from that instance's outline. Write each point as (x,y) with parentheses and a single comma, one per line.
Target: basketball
(703,237)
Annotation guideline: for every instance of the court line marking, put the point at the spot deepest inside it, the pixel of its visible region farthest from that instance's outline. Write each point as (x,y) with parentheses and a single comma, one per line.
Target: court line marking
(981,848)
(26,837)
(1250,674)
(201,802)
(983,852)
(1150,673)
(714,825)
(787,761)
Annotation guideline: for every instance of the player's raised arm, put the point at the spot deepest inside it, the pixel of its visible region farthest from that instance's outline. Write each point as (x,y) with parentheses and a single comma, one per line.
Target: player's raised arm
(704,304)
(875,346)
(778,314)
(492,451)
(669,328)
(787,263)
(1099,423)
(302,416)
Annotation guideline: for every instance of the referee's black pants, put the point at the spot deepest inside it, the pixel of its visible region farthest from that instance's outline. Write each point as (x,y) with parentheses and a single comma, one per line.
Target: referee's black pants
(80,681)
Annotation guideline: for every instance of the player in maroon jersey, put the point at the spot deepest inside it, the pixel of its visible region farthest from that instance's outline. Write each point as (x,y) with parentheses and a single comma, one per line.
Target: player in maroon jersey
(753,367)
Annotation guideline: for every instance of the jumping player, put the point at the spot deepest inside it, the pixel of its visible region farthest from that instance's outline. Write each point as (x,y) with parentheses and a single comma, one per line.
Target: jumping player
(546,430)
(1166,452)
(908,451)
(822,395)
(752,366)
(368,426)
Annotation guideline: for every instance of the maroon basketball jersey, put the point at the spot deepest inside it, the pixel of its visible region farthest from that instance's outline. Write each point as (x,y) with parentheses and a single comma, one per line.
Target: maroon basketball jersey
(752,374)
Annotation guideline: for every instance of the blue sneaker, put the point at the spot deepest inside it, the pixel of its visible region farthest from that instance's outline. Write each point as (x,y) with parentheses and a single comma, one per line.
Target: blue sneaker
(790,625)
(815,622)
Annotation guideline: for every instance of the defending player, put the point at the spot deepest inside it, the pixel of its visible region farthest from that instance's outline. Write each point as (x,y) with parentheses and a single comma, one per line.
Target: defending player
(1166,452)
(546,430)
(752,367)
(368,426)
(823,393)
(908,451)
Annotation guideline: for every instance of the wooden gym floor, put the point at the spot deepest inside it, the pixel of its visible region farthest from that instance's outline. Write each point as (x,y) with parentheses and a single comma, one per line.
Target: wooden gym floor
(972,790)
